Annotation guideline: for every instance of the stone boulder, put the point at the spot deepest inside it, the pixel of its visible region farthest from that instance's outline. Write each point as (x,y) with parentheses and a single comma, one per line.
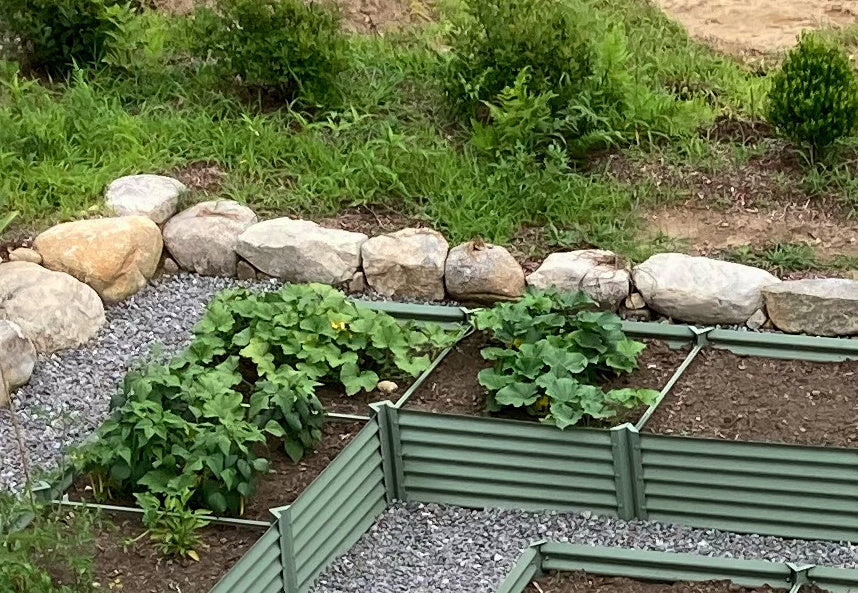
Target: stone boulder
(477,271)
(407,263)
(301,251)
(202,238)
(17,359)
(25,254)
(593,271)
(822,307)
(701,290)
(153,196)
(116,256)
(54,310)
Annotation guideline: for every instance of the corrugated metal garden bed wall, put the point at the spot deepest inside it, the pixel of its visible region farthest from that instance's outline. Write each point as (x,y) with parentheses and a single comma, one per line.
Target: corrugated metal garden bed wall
(668,566)
(770,489)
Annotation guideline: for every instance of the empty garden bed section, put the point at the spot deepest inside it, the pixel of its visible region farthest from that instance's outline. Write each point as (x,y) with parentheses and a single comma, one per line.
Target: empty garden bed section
(582,582)
(723,395)
(453,388)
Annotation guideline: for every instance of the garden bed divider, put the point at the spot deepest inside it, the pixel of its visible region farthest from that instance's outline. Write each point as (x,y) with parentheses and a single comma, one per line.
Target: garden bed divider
(670,566)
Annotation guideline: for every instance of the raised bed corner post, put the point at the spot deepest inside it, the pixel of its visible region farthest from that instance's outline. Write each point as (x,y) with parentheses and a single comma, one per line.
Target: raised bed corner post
(287,548)
(387,416)
(798,575)
(526,568)
(628,472)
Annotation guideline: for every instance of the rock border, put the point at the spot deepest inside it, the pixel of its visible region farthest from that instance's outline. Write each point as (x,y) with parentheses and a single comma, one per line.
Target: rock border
(225,238)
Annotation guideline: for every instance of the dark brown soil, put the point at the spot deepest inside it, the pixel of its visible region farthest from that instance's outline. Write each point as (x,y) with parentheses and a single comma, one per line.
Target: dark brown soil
(581,582)
(372,219)
(285,480)
(762,399)
(335,400)
(139,567)
(200,176)
(454,389)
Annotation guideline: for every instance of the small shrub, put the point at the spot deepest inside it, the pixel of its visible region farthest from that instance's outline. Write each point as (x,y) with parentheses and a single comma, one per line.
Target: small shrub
(53,35)
(288,47)
(553,351)
(538,73)
(814,96)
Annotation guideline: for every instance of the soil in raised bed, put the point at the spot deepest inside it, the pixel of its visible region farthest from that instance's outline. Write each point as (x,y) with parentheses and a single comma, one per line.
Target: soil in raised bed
(139,567)
(727,396)
(284,481)
(453,387)
(581,582)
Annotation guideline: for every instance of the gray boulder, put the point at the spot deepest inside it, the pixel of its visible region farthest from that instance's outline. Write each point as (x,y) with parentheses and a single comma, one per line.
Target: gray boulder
(54,310)
(593,271)
(701,290)
(202,238)
(823,307)
(17,359)
(301,251)
(407,263)
(153,196)
(477,271)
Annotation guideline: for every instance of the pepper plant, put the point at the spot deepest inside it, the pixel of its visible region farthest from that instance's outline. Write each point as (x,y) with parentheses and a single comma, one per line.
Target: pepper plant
(550,353)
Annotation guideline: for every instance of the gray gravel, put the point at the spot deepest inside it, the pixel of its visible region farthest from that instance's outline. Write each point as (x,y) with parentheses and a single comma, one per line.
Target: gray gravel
(417,548)
(68,396)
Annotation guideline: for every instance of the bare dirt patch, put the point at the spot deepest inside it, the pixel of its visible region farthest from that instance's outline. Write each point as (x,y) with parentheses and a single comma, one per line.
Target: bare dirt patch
(761,26)
(723,395)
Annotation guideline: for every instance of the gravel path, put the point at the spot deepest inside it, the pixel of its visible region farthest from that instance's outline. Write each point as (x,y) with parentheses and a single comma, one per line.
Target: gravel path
(68,395)
(417,548)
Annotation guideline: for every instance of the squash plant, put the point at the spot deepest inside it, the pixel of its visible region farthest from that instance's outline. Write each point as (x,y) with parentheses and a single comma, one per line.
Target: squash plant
(191,429)
(551,351)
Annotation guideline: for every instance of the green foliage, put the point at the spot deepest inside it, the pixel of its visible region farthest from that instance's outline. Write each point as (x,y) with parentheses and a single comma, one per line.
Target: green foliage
(53,35)
(814,96)
(172,525)
(6,220)
(54,544)
(553,351)
(188,429)
(289,47)
(553,71)
(780,257)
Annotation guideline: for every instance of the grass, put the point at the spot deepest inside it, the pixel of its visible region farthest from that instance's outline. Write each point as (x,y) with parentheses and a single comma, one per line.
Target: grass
(392,143)
(788,257)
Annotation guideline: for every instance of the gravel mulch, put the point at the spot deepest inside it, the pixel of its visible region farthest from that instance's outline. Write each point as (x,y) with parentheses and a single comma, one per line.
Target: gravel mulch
(429,548)
(68,395)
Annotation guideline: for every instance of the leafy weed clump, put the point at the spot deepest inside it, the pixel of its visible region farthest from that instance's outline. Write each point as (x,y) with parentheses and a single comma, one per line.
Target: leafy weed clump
(814,96)
(54,35)
(250,374)
(552,352)
(291,48)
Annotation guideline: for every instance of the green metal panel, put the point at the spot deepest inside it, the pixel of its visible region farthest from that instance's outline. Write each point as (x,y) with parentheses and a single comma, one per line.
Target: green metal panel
(523,571)
(434,313)
(339,506)
(482,462)
(771,489)
(774,345)
(675,335)
(836,580)
(258,571)
(661,566)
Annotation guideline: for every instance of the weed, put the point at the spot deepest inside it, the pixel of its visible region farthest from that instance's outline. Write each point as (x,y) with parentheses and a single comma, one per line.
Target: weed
(780,257)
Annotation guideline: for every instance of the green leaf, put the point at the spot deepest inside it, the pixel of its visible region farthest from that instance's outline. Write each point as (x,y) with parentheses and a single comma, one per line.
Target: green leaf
(355,380)
(294,450)
(517,394)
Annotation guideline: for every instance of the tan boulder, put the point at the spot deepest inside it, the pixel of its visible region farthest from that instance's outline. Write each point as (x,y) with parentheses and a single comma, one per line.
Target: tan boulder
(52,309)
(477,271)
(115,256)
(407,263)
